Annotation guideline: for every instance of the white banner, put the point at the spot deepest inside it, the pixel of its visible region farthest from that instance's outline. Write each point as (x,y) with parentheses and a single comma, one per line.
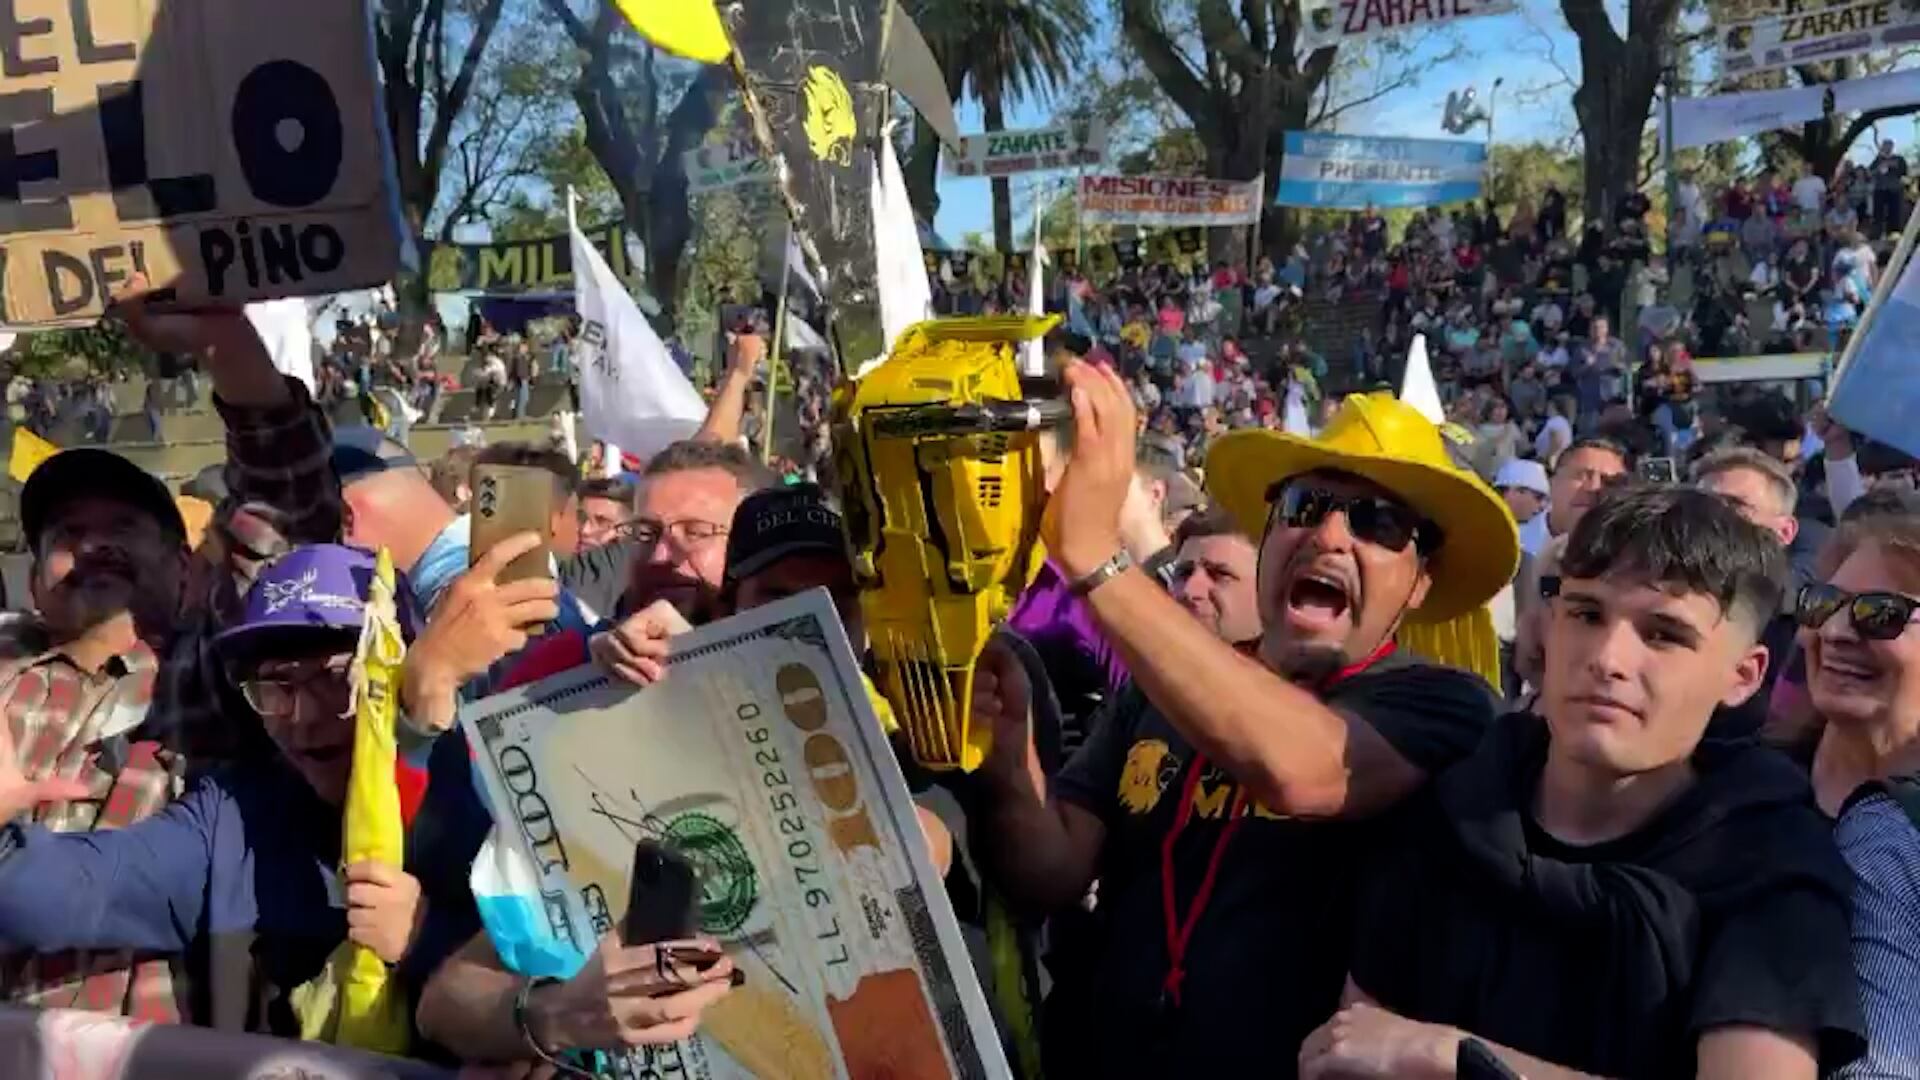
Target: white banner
(1339,22)
(1824,33)
(1004,153)
(906,296)
(724,165)
(1707,120)
(632,394)
(1352,172)
(1169,200)
(759,759)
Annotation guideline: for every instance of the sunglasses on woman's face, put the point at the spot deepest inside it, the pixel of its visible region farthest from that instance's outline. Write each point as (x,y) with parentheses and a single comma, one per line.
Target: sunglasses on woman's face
(1371,519)
(1877,616)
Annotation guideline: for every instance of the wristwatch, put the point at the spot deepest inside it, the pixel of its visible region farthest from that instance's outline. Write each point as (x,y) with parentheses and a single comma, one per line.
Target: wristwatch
(1120,563)
(1476,1061)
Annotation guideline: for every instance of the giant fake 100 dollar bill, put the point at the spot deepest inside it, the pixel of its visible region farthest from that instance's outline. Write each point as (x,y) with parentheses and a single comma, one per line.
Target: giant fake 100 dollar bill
(758,758)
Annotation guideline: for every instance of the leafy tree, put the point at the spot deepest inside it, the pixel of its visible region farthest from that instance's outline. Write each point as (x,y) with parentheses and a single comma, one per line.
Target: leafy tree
(1619,74)
(430,54)
(622,87)
(1238,75)
(1007,51)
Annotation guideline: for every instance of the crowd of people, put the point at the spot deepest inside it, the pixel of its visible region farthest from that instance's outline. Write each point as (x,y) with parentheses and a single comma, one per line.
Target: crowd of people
(1242,825)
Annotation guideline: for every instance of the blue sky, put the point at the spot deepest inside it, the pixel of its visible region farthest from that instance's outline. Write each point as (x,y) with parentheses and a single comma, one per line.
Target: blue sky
(1521,48)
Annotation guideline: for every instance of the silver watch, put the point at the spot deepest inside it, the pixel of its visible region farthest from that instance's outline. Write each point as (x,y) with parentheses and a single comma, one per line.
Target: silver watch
(1120,563)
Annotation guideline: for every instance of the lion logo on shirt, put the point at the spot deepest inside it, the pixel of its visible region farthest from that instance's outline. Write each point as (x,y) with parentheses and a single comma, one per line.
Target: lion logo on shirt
(1147,773)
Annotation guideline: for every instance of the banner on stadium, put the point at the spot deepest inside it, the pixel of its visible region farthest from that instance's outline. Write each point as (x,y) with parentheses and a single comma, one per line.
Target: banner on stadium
(1352,172)
(724,165)
(1702,121)
(521,265)
(1005,153)
(1169,200)
(1808,35)
(1340,22)
(814,872)
(225,156)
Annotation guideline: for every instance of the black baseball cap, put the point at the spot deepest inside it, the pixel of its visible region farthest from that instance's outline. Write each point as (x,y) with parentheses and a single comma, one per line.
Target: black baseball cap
(779,523)
(360,450)
(89,472)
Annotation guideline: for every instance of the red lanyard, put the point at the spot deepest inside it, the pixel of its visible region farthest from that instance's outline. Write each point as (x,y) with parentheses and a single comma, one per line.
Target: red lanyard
(1180,931)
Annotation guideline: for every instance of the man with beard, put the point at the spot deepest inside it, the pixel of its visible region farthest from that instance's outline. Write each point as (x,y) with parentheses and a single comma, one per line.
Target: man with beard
(684,512)
(1213,801)
(114,687)
(675,543)
(1584,470)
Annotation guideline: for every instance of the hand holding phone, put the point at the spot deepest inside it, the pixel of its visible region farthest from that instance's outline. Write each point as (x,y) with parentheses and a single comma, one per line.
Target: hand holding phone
(507,500)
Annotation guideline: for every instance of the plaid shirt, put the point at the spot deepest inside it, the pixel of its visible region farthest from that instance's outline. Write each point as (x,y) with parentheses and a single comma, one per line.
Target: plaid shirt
(131,730)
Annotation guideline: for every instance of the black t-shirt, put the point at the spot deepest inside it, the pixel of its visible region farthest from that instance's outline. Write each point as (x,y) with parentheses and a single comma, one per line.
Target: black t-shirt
(1268,954)
(1729,907)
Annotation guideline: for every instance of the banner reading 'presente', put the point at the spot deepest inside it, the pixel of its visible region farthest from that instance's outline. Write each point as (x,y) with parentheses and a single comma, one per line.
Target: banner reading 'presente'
(1350,172)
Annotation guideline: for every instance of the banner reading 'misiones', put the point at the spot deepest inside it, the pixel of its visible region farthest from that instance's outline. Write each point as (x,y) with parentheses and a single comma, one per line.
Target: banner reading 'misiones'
(1351,172)
(1169,200)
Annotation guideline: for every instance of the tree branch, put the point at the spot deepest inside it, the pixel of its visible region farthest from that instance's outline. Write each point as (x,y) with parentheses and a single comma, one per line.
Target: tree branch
(1141,22)
(1221,36)
(1588,20)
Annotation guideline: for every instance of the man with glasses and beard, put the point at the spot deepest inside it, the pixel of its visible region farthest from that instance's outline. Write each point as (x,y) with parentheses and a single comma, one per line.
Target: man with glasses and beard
(1212,802)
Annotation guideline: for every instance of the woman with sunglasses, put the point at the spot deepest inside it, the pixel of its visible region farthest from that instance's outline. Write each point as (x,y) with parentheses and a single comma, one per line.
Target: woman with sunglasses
(1863,675)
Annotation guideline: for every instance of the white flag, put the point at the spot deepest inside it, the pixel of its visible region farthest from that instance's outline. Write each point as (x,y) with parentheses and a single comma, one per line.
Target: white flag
(1033,356)
(905,296)
(631,392)
(1417,387)
(283,328)
(797,266)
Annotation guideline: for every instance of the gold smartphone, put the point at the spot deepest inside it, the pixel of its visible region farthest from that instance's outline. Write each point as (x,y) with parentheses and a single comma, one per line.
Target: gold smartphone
(508,500)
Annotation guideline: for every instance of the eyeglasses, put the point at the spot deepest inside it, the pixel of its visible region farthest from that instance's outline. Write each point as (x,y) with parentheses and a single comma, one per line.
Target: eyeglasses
(276,696)
(685,534)
(1877,616)
(1373,520)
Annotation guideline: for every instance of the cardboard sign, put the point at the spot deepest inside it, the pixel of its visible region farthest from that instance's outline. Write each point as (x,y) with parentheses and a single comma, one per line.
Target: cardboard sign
(231,150)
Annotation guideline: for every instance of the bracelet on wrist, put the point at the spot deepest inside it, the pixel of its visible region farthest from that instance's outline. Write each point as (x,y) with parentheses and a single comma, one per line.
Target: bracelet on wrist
(1120,562)
(522,1022)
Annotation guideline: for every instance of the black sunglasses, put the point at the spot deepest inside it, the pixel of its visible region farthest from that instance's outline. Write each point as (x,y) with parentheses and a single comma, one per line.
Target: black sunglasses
(1877,616)
(1372,519)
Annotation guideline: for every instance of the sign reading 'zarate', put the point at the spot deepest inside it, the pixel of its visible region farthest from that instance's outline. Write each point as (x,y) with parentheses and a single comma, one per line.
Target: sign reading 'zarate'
(230,150)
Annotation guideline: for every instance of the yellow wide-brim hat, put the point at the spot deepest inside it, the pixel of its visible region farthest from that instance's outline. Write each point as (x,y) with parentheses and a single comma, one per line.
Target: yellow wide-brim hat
(1383,440)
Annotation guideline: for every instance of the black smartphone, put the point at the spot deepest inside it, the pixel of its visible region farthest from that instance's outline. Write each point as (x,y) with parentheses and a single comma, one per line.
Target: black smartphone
(663,897)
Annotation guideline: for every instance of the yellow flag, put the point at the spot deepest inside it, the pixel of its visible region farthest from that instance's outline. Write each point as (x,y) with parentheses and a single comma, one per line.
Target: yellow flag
(354,1002)
(689,28)
(29,450)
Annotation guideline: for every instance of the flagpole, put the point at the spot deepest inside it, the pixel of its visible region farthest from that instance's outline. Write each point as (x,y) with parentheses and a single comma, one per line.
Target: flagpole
(778,346)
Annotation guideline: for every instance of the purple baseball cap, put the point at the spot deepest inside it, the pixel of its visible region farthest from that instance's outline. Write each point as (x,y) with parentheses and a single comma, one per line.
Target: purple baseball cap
(303,600)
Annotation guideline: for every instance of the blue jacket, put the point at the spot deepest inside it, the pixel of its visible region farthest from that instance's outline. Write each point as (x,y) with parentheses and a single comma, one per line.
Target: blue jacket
(237,876)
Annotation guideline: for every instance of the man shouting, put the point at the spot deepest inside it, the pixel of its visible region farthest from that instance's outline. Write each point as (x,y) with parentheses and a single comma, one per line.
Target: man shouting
(1213,801)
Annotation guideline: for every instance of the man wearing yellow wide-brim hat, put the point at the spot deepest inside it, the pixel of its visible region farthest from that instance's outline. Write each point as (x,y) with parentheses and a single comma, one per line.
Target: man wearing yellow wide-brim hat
(1202,797)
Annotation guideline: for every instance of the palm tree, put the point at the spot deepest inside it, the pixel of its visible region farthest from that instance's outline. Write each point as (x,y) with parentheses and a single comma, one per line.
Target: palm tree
(1005,51)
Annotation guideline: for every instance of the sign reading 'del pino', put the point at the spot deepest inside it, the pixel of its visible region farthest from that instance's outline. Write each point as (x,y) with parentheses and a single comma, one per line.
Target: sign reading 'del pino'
(230,150)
